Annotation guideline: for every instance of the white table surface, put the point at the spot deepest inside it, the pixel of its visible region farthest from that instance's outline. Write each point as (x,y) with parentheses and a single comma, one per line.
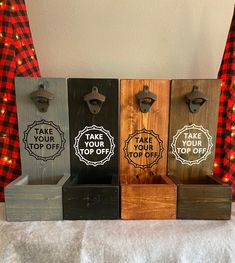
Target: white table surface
(117,241)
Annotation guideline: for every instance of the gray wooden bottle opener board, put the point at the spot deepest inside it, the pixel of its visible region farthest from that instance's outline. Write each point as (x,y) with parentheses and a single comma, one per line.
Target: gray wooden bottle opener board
(44,151)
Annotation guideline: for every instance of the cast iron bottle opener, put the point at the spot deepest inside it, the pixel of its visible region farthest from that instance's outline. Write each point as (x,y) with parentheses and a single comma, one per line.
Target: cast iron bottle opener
(94,100)
(146,99)
(195,99)
(41,98)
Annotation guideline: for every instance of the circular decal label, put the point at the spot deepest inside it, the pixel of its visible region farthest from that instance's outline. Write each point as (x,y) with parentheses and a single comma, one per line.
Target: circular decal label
(192,144)
(143,148)
(94,145)
(44,140)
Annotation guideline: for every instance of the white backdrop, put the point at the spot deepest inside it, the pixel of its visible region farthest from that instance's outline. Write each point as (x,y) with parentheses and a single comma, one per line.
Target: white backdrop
(130,38)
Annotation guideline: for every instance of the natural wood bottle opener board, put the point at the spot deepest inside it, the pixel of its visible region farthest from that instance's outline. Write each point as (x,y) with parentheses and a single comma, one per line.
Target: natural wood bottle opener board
(146,191)
(44,150)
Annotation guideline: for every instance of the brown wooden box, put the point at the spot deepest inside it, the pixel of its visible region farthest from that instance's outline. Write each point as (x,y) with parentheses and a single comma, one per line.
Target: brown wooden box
(146,192)
(192,141)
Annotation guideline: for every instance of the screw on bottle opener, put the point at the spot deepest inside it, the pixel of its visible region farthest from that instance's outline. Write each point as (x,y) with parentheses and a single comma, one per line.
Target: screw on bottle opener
(195,99)
(146,99)
(94,100)
(41,98)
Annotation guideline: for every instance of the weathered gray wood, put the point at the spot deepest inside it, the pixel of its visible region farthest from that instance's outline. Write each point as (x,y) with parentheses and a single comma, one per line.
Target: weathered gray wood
(25,202)
(37,194)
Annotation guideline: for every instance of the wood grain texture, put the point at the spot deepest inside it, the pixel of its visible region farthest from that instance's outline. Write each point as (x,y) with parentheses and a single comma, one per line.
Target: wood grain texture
(37,194)
(132,119)
(148,201)
(145,193)
(200,196)
(181,116)
(26,202)
(211,202)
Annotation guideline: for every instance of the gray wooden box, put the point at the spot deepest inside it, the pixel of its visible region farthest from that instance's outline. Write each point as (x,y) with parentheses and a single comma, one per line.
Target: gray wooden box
(44,150)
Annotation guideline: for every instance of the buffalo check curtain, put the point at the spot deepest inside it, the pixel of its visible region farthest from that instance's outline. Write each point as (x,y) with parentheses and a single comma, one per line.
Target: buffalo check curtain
(225,143)
(17,58)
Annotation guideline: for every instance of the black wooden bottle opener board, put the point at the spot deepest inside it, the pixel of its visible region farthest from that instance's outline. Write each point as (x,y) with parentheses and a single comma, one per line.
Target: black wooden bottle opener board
(93,192)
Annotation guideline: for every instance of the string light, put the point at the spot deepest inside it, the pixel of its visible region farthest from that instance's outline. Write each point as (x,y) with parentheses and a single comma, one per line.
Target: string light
(3,111)
(32,57)
(13,7)
(17,36)
(1,4)
(225,179)
(216,165)
(5,99)
(231,157)
(19,62)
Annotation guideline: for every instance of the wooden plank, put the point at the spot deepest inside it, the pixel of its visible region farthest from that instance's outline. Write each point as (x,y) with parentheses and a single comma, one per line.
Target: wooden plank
(107,118)
(204,202)
(181,116)
(49,171)
(148,201)
(132,119)
(33,202)
(93,201)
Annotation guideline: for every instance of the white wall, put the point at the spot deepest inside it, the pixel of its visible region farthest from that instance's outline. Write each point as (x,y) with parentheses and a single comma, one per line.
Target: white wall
(130,38)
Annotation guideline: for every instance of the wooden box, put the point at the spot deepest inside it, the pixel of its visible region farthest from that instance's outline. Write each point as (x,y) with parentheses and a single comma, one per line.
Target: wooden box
(93,191)
(146,191)
(44,150)
(192,137)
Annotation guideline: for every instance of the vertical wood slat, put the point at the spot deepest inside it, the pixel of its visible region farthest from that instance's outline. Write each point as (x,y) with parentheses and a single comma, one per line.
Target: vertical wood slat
(142,196)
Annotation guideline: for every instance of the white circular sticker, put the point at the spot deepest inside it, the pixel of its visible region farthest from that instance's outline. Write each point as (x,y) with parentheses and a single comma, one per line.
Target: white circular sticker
(192,144)
(94,145)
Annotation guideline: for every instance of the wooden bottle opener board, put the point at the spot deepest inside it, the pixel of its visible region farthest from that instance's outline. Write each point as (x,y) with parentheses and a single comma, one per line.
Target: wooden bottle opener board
(93,192)
(192,141)
(44,151)
(146,192)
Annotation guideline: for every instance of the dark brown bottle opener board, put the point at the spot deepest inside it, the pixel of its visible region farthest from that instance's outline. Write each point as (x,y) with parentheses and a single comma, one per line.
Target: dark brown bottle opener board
(192,137)
(146,191)
(93,191)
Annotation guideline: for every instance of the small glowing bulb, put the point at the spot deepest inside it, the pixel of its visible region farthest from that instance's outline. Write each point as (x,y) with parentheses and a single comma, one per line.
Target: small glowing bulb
(231,157)
(33,49)
(13,7)
(5,99)
(2,111)
(19,62)
(233,108)
(233,128)
(32,57)
(1,35)
(6,44)
(225,179)
(216,164)
(232,134)
(9,161)
(17,36)
(5,158)
(1,3)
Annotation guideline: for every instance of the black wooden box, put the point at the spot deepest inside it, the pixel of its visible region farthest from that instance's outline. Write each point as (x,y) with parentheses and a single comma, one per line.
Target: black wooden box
(93,190)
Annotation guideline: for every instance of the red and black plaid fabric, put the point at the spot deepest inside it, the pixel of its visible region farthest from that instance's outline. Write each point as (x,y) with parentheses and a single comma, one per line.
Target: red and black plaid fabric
(17,58)
(225,143)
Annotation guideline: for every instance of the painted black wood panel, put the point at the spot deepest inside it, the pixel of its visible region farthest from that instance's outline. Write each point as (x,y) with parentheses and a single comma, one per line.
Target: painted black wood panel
(93,190)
